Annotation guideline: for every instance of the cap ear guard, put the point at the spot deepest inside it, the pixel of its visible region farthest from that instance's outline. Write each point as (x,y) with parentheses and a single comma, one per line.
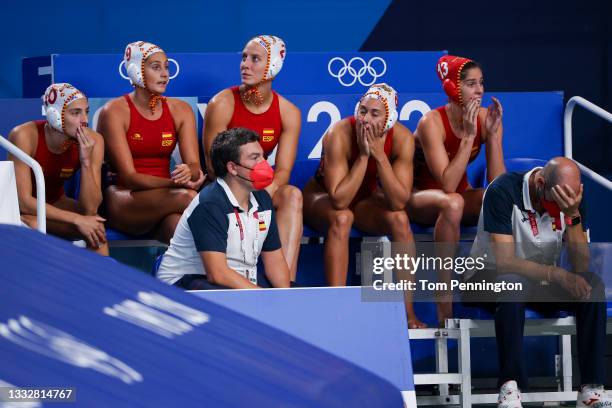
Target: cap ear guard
(277,57)
(133,72)
(450,89)
(392,119)
(54,118)
(276,52)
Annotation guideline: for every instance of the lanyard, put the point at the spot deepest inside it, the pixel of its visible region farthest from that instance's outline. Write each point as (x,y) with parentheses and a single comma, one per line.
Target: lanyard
(237,214)
(242,236)
(556,223)
(534,224)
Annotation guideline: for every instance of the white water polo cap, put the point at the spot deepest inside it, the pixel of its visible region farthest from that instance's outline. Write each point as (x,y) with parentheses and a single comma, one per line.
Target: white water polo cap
(134,58)
(56,99)
(276,50)
(387,95)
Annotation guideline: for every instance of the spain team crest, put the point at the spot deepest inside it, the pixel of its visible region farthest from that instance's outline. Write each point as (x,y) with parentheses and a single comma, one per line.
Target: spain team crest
(262,225)
(267,135)
(167,139)
(66,173)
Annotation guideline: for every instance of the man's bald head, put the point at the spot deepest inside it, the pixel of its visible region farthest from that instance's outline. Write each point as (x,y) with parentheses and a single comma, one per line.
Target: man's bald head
(561,171)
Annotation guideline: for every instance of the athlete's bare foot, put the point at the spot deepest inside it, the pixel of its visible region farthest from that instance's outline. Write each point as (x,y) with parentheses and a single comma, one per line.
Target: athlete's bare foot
(445,311)
(415,323)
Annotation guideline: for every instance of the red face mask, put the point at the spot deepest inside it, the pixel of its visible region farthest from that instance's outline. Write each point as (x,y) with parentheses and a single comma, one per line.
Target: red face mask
(261,175)
(552,208)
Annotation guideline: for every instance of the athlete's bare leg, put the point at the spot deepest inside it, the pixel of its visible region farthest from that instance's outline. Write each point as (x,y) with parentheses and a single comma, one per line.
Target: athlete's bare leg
(321,215)
(165,230)
(141,212)
(62,229)
(373,216)
(287,201)
(473,203)
(444,211)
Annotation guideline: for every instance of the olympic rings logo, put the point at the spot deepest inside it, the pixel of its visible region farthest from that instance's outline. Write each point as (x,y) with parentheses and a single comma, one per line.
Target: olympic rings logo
(125,76)
(357,70)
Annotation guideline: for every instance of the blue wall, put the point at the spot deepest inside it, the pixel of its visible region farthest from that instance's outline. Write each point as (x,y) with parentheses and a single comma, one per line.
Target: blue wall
(525,46)
(546,45)
(54,27)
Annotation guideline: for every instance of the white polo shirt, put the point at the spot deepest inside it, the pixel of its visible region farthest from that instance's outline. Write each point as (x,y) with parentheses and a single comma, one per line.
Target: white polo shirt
(507,209)
(214,221)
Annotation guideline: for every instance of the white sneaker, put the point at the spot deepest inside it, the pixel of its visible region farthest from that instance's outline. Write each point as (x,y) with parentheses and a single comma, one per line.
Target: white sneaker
(509,396)
(593,396)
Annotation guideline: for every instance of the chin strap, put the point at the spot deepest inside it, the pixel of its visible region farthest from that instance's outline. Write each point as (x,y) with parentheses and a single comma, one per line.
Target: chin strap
(153,101)
(67,144)
(68,141)
(252,95)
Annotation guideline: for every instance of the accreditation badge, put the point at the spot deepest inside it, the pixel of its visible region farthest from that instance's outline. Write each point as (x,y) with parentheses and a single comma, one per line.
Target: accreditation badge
(251,275)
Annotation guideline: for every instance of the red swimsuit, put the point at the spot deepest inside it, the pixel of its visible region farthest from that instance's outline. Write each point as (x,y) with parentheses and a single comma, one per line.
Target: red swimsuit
(268,124)
(57,168)
(423,179)
(151,141)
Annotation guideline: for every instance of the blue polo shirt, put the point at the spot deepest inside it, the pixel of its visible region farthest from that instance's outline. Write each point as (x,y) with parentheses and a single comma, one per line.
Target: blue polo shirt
(214,221)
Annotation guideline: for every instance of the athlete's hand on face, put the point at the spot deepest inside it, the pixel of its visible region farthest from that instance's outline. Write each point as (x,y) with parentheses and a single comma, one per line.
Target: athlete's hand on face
(195,185)
(181,174)
(362,143)
(86,145)
(470,115)
(494,117)
(567,199)
(91,227)
(376,140)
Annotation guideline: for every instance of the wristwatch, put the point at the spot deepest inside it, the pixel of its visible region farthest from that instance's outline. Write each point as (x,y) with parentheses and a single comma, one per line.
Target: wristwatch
(571,221)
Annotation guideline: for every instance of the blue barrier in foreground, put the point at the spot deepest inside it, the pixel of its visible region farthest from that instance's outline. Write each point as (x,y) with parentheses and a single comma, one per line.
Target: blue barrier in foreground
(70,318)
(370,334)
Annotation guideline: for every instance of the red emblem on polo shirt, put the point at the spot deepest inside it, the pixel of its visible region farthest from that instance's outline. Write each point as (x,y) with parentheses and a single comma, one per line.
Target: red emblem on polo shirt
(534,224)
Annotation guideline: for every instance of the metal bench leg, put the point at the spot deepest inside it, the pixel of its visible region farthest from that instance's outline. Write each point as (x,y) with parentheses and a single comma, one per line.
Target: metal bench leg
(566,361)
(442,362)
(465,364)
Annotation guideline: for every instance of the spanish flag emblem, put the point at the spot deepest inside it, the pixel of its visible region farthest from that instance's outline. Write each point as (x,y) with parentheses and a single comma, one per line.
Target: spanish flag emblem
(66,173)
(268,135)
(262,225)
(167,139)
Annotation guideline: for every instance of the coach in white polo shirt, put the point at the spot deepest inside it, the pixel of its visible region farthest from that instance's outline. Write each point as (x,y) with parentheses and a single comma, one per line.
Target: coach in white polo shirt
(229,224)
(524,222)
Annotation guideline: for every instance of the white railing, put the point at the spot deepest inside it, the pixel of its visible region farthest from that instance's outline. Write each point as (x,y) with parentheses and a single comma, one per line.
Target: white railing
(41,210)
(567,133)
